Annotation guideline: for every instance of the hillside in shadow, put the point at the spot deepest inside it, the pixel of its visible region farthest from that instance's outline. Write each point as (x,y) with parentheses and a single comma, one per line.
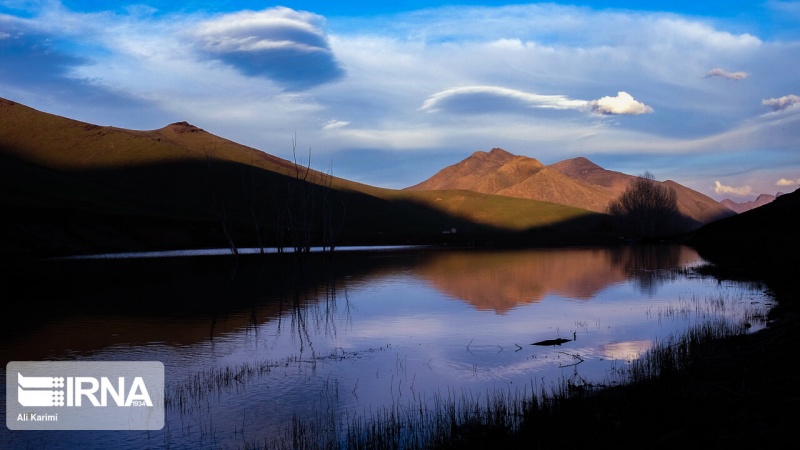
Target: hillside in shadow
(763,241)
(69,187)
(222,204)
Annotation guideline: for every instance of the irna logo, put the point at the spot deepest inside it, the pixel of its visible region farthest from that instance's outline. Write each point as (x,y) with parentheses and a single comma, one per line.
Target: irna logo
(47,391)
(85,395)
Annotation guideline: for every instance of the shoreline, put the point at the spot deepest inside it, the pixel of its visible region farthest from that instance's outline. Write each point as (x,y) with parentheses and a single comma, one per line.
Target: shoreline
(740,392)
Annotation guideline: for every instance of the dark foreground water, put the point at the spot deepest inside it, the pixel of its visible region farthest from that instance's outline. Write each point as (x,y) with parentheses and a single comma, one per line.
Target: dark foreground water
(249,344)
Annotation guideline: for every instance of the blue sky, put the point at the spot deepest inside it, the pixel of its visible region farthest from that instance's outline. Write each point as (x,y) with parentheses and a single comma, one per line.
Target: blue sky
(704,93)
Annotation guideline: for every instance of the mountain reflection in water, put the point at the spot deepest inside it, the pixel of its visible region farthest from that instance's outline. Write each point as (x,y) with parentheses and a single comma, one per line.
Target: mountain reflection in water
(500,281)
(181,301)
(346,333)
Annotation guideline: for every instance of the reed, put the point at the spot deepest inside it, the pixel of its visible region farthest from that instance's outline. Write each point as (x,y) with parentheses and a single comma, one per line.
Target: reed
(443,420)
(464,419)
(678,353)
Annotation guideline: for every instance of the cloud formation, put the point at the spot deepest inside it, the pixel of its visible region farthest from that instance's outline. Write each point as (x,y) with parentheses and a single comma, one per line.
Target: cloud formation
(782,103)
(480,98)
(741,191)
(622,104)
(472,99)
(30,54)
(721,73)
(784,182)
(334,124)
(359,82)
(34,63)
(282,44)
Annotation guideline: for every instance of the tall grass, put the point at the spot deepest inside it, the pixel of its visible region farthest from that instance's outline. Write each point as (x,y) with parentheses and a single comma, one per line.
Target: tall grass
(191,394)
(678,354)
(458,419)
(464,419)
(443,420)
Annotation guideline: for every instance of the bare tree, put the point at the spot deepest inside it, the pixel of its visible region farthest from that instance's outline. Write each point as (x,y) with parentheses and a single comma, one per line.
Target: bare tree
(311,212)
(647,208)
(216,199)
(250,188)
(301,204)
(333,214)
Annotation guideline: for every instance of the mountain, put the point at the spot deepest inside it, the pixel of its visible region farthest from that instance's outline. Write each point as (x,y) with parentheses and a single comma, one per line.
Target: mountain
(64,144)
(499,172)
(740,207)
(776,220)
(575,182)
(763,239)
(699,207)
(584,170)
(71,187)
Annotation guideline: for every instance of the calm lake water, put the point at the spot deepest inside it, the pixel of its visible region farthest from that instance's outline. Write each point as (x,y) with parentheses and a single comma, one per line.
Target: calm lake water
(249,344)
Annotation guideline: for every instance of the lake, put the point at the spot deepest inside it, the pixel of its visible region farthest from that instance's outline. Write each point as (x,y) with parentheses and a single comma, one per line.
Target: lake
(251,344)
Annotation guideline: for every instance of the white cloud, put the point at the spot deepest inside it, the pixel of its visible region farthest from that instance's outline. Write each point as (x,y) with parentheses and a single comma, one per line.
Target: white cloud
(741,191)
(252,31)
(622,104)
(576,27)
(782,103)
(784,182)
(520,77)
(725,74)
(334,124)
(282,44)
(487,94)
(493,98)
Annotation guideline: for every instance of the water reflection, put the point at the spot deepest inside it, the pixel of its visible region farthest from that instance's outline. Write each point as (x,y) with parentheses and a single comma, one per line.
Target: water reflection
(269,337)
(500,281)
(183,301)
(625,351)
(650,265)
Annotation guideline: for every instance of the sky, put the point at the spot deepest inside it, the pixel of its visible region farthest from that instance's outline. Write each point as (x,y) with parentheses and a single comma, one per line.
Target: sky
(703,93)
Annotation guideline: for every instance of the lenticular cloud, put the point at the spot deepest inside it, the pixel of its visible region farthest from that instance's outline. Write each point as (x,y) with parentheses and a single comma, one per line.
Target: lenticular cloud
(453,100)
(284,45)
(481,98)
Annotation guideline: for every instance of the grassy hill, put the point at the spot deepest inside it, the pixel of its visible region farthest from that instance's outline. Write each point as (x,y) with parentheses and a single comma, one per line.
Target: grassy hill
(499,172)
(577,182)
(70,187)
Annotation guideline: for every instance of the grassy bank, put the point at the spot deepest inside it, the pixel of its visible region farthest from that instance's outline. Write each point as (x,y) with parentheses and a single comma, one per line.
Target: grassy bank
(714,387)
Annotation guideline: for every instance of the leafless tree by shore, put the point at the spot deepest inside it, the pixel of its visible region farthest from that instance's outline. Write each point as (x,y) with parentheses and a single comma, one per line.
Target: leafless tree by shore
(647,209)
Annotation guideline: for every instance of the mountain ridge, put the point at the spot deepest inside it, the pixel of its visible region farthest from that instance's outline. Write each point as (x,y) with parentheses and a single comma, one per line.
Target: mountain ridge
(577,182)
(499,172)
(740,207)
(70,187)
